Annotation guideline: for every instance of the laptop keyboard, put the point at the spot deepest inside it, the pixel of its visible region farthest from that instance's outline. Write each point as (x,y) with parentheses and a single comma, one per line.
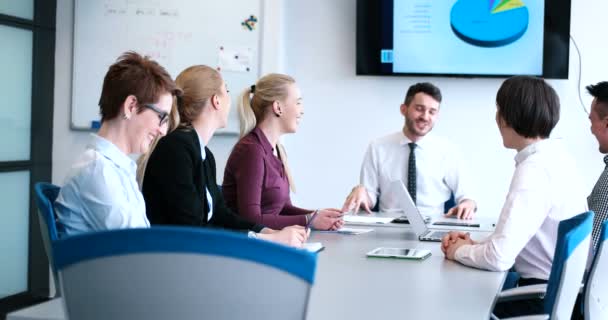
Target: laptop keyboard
(437,234)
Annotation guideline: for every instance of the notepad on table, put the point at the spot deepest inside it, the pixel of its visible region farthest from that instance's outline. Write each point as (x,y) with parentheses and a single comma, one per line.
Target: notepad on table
(313,246)
(456,224)
(365,219)
(345,230)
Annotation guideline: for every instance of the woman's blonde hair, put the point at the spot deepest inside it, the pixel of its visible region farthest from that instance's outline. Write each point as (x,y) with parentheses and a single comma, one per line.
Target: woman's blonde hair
(197,84)
(253,106)
(255,103)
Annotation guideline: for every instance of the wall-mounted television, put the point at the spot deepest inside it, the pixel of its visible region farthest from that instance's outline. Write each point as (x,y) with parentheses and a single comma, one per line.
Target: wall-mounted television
(470,38)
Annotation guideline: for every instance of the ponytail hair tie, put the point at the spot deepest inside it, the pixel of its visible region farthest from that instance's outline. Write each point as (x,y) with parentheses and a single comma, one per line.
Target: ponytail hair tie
(253,89)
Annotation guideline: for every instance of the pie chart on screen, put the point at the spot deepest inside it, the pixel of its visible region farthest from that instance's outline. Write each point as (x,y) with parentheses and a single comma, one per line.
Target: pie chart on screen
(489,23)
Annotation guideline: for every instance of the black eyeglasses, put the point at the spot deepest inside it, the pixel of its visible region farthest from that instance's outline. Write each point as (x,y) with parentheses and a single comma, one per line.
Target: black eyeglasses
(162,115)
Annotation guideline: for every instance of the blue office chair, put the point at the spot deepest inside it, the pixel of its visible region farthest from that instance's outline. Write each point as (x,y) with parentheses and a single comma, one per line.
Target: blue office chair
(569,263)
(596,287)
(46,194)
(449,204)
(182,273)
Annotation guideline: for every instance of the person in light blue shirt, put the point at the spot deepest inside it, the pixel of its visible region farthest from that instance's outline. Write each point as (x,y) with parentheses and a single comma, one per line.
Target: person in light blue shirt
(101,190)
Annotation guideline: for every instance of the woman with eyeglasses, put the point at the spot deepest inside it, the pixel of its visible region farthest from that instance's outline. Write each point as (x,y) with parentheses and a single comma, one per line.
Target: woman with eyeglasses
(100,190)
(179,183)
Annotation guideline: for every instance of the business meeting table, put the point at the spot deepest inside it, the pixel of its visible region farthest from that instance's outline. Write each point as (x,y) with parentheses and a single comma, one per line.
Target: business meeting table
(349,285)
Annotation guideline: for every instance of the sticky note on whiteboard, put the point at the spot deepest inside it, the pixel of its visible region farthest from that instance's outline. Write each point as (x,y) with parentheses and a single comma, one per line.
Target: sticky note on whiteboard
(235,59)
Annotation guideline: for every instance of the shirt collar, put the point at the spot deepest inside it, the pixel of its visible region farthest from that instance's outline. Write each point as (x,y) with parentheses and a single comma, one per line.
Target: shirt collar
(202,144)
(263,140)
(112,153)
(536,147)
(419,144)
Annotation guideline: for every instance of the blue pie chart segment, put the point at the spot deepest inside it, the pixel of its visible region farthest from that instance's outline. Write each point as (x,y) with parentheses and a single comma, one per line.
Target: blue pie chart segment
(477,23)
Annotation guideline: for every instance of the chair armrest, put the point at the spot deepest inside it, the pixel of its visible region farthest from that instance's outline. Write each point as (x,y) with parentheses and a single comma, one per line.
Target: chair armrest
(533,317)
(536,291)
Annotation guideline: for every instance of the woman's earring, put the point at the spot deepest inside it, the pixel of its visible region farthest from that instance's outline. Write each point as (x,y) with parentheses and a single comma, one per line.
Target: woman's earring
(126,117)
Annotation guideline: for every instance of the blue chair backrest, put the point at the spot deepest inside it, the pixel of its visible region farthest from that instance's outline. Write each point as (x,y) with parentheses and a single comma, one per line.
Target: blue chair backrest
(449,204)
(596,288)
(46,194)
(186,273)
(569,263)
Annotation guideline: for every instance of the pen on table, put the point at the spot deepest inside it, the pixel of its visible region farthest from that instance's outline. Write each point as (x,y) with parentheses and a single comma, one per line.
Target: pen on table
(312,217)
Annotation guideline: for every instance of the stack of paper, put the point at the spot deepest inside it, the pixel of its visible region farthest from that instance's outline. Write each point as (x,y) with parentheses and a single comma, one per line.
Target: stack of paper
(367,220)
(313,246)
(345,230)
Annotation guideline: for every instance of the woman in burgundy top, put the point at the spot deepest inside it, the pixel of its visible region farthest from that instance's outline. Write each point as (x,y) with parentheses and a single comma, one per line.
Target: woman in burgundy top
(257,179)
(179,183)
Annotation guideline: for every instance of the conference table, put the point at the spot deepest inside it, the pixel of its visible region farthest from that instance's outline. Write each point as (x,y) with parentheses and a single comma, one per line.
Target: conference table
(349,285)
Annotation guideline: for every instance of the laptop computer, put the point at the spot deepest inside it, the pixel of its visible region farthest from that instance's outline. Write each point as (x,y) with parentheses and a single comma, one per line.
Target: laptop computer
(413,215)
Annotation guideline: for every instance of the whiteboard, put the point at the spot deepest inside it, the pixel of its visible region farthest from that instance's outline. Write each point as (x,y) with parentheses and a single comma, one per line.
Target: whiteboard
(175,33)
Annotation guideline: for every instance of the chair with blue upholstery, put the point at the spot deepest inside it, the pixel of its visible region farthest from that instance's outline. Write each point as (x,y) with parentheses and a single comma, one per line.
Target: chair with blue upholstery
(451,203)
(182,273)
(569,263)
(46,194)
(596,287)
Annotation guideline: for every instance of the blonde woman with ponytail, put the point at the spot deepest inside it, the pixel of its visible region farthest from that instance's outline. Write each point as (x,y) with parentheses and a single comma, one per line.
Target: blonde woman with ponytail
(179,183)
(257,180)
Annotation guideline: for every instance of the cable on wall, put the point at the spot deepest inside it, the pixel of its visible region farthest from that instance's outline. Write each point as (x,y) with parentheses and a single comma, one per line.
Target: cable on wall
(580,71)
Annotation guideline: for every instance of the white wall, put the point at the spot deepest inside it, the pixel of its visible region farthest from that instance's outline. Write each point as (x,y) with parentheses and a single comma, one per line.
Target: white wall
(314,41)
(67,144)
(343,112)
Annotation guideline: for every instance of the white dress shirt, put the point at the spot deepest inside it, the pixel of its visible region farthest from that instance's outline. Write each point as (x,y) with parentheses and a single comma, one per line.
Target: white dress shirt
(439,172)
(100,192)
(545,189)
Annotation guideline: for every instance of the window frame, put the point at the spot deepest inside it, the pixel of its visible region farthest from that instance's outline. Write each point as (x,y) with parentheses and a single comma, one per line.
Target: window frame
(41,144)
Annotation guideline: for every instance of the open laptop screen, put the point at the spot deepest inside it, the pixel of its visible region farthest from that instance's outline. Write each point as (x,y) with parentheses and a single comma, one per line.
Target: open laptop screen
(409,208)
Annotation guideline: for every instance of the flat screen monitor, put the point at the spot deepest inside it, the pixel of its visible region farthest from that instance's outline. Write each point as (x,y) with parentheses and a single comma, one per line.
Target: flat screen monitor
(471,38)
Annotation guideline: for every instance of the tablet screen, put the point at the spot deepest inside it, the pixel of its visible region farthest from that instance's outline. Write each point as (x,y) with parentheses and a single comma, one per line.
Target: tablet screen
(403,253)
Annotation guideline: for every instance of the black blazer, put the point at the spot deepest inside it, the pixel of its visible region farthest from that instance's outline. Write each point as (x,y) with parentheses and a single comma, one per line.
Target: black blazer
(174,185)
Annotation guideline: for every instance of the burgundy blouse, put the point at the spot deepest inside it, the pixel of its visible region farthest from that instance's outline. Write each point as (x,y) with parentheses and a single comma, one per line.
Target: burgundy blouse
(256,186)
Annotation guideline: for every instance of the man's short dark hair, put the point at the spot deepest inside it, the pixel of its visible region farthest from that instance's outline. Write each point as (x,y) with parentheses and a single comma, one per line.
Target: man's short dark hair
(424,87)
(133,74)
(529,105)
(600,92)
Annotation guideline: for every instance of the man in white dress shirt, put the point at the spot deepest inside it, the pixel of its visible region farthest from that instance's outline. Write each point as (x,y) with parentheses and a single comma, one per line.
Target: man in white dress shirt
(545,189)
(429,166)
